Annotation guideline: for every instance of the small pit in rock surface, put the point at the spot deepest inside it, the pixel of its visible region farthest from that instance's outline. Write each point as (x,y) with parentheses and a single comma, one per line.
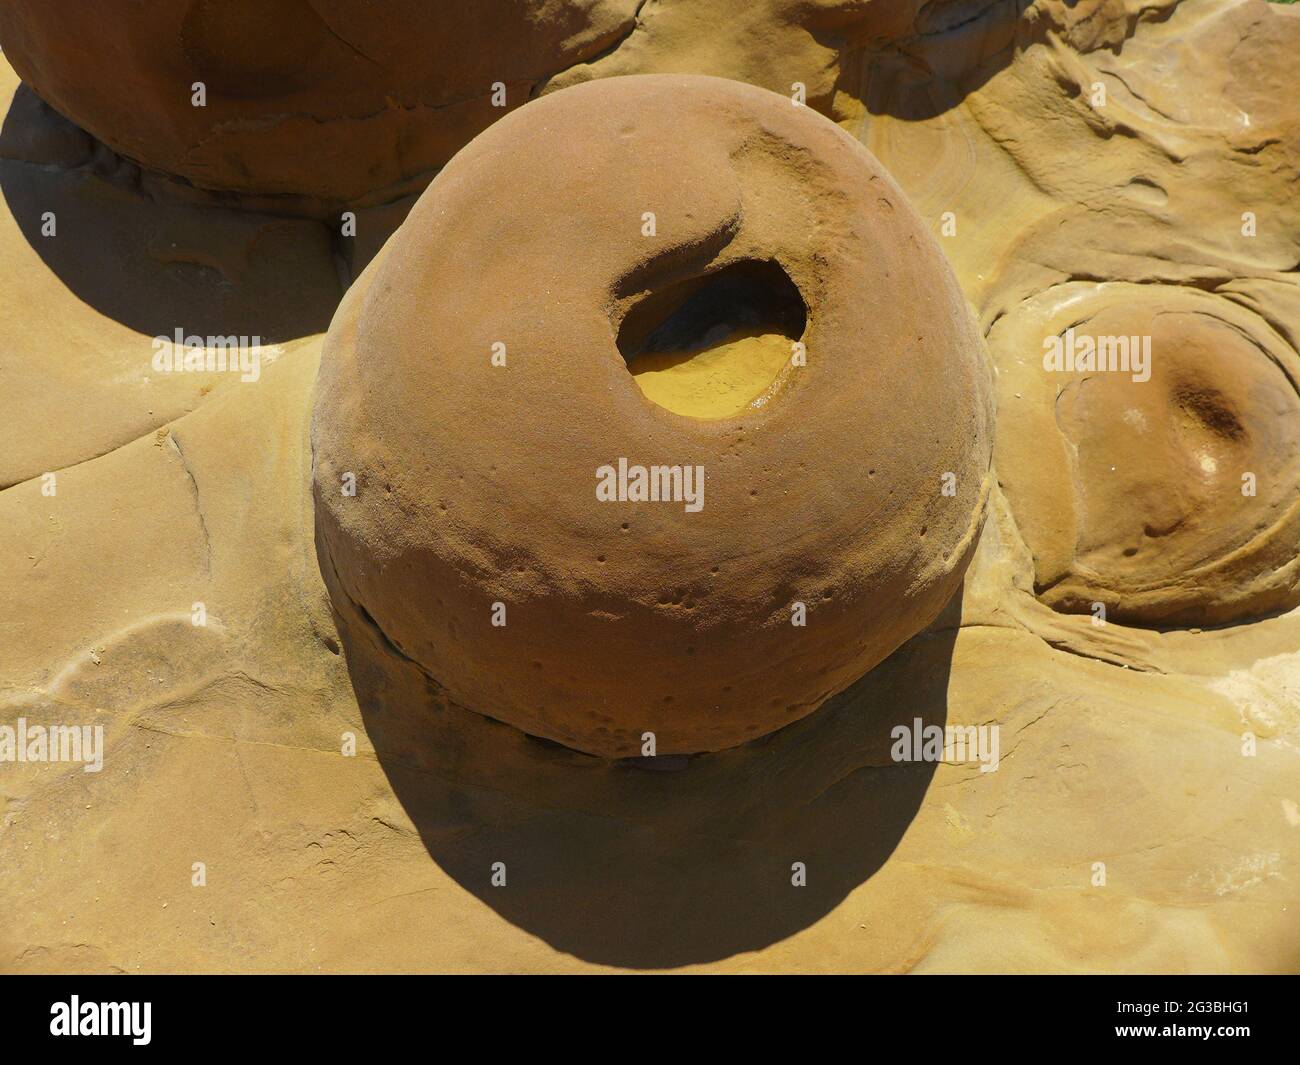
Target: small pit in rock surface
(714,346)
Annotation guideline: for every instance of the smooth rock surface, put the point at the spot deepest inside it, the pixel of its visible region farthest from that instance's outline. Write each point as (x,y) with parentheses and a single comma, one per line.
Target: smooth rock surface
(850,497)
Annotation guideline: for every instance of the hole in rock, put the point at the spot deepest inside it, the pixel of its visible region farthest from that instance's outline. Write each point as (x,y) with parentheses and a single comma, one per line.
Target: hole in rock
(1208,409)
(713,346)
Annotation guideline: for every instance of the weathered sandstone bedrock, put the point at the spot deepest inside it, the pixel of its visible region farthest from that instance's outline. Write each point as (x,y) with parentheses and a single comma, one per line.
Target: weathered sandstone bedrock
(480,373)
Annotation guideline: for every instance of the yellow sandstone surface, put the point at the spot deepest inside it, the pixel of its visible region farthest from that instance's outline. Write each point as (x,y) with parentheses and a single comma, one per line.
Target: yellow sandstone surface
(719,381)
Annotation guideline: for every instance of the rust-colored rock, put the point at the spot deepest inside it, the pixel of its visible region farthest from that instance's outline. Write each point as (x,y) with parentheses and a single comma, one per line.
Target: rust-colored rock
(326,99)
(475,385)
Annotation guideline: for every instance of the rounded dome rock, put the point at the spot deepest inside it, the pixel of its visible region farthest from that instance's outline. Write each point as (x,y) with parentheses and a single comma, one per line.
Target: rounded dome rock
(325,99)
(1151,452)
(661,413)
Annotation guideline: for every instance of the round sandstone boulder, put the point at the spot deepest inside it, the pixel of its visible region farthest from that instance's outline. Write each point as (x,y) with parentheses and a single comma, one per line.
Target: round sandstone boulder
(326,99)
(662,413)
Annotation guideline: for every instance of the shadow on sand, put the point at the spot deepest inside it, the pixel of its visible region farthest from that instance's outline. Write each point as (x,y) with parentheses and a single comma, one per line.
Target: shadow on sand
(155,263)
(689,862)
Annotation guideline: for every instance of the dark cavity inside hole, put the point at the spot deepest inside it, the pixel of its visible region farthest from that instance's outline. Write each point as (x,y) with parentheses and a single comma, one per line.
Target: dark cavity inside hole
(702,311)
